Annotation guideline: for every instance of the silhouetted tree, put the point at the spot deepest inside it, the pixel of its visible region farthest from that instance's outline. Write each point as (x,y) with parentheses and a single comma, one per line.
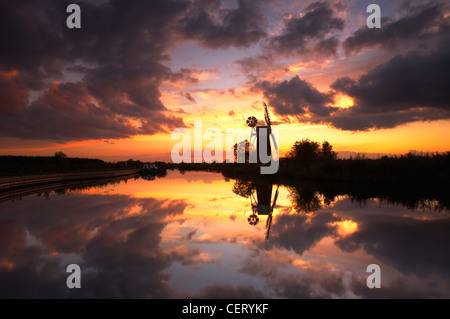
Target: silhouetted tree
(305,151)
(327,151)
(60,154)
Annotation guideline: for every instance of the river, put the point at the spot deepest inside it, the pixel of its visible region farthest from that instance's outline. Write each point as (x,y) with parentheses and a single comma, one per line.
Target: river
(194,235)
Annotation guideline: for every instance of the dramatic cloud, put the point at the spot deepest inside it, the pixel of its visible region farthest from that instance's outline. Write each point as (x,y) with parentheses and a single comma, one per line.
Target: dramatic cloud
(419,25)
(296,97)
(407,88)
(184,76)
(256,66)
(240,27)
(64,112)
(310,32)
(312,35)
(115,60)
(104,81)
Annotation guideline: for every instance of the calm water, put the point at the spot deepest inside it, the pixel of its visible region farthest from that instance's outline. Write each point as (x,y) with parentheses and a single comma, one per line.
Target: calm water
(191,235)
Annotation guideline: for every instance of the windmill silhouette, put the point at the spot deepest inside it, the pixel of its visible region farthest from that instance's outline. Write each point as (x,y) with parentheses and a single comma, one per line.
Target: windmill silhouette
(261,132)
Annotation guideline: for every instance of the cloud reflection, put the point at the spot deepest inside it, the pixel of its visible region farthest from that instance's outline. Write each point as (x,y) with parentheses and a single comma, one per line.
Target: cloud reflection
(131,247)
(117,247)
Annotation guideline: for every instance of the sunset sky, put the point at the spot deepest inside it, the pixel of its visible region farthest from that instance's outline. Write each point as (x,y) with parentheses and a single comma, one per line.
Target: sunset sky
(136,70)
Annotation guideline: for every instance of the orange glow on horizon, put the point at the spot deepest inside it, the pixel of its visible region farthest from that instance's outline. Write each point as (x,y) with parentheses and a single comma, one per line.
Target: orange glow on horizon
(221,109)
(9,74)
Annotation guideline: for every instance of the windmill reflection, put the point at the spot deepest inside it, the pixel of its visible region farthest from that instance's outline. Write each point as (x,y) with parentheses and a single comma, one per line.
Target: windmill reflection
(260,195)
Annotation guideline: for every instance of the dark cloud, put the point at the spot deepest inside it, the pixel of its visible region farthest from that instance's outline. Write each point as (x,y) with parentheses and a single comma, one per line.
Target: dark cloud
(184,75)
(296,97)
(65,112)
(118,55)
(310,32)
(407,88)
(191,234)
(311,36)
(240,27)
(356,120)
(189,97)
(254,66)
(13,94)
(420,25)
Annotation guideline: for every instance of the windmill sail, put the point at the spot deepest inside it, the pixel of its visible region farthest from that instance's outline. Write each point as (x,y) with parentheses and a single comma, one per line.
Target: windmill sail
(267,116)
(269,218)
(269,125)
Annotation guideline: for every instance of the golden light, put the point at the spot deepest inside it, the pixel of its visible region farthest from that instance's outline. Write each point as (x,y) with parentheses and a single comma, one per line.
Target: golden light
(346,227)
(343,101)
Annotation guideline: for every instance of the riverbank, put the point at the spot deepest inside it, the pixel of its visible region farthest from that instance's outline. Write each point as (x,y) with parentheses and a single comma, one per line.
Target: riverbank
(406,169)
(8,184)
(62,184)
(11,166)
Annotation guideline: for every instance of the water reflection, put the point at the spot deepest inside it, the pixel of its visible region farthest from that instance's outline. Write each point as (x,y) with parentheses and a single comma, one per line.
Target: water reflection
(189,236)
(115,240)
(260,194)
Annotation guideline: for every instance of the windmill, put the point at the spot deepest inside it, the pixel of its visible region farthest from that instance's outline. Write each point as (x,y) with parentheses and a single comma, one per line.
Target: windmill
(257,132)
(261,204)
